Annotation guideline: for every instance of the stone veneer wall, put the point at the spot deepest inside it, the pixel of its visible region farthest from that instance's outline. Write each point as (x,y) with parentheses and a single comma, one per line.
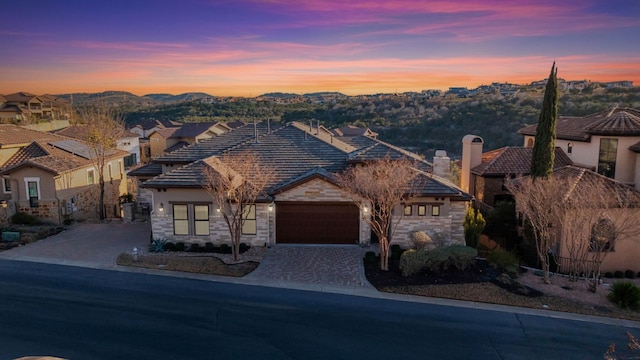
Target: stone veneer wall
(162,228)
(450,223)
(322,191)
(46,210)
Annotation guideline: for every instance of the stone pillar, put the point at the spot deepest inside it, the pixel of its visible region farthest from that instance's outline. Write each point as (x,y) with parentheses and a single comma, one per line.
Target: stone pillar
(127,217)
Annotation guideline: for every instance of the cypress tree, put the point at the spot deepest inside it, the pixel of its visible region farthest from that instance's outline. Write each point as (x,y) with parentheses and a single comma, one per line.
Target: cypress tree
(544,146)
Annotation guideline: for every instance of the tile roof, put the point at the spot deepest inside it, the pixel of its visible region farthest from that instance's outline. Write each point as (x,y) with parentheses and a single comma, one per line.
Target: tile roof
(190,130)
(165,132)
(615,122)
(514,160)
(151,169)
(177,146)
(148,124)
(16,135)
(290,151)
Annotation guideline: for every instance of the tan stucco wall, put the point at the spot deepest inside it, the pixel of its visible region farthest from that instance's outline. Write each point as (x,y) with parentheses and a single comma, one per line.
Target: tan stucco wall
(626,254)
(157,144)
(6,154)
(586,153)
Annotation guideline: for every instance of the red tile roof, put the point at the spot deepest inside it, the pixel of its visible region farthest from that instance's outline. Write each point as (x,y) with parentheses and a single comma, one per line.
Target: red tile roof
(513,160)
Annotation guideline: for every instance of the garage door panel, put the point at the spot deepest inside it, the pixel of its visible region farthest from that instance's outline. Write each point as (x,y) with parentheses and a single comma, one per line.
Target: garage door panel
(317,223)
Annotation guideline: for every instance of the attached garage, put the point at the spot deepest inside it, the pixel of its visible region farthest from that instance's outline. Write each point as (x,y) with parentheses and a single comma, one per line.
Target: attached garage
(317,223)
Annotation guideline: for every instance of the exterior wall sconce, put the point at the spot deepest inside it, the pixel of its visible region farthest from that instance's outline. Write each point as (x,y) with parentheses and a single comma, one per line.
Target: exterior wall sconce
(3,203)
(270,208)
(218,210)
(365,209)
(161,208)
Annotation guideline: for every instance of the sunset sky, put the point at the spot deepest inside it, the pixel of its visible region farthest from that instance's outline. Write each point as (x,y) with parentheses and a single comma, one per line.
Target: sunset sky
(247,48)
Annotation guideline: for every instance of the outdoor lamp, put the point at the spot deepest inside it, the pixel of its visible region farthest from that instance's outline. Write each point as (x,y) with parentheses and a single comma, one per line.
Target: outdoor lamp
(161,208)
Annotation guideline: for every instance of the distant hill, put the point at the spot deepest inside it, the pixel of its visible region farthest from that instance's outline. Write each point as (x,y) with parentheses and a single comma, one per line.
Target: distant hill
(280,95)
(169,98)
(324,93)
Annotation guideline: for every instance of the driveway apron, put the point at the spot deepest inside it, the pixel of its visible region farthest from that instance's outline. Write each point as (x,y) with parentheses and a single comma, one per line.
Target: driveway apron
(336,268)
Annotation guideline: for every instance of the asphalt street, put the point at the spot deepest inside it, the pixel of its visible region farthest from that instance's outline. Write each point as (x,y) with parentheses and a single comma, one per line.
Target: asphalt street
(80,313)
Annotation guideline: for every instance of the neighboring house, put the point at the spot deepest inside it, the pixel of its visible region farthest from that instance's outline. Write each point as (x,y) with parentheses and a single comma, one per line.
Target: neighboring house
(625,251)
(145,127)
(53,177)
(303,203)
(608,142)
(129,142)
(23,107)
(483,175)
(169,139)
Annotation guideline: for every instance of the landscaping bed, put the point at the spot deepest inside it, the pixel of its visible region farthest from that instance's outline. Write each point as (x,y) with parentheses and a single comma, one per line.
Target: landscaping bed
(199,264)
(482,283)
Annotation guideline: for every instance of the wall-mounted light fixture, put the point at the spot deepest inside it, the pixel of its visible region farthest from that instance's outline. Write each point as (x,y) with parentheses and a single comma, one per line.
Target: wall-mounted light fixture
(161,208)
(270,207)
(218,210)
(365,209)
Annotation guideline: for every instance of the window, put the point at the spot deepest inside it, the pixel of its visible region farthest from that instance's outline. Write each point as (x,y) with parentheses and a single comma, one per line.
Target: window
(603,235)
(407,210)
(91,176)
(249,220)
(607,157)
(201,219)
(190,219)
(6,186)
(435,210)
(33,190)
(422,210)
(110,171)
(180,219)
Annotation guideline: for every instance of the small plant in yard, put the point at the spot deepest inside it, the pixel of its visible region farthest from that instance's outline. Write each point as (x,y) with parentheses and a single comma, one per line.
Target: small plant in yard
(180,246)
(21,218)
(413,262)
(370,257)
(438,259)
(473,226)
(630,274)
(396,251)
(503,260)
(625,294)
(618,274)
(420,239)
(158,245)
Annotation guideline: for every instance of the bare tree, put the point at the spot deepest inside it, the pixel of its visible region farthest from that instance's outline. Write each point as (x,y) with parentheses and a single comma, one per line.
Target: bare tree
(101,129)
(539,201)
(598,213)
(381,185)
(235,182)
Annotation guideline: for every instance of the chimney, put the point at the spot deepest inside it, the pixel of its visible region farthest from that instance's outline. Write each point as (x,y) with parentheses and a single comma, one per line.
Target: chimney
(441,164)
(471,157)
(255,130)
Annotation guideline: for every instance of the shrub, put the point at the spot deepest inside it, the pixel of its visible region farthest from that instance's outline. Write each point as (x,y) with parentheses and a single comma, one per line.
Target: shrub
(208,247)
(413,261)
(180,246)
(630,274)
(473,226)
(456,256)
(618,275)
(396,251)
(225,249)
(194,248)
(608,275)
(21,218)
(157,245)
(371,258)
(625,294)
(169,246)
(638,274)
(439,239)
(503,260)
(244,247)
(420,239)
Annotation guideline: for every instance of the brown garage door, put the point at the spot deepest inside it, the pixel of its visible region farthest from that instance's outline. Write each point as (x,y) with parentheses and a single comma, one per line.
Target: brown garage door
(317,223)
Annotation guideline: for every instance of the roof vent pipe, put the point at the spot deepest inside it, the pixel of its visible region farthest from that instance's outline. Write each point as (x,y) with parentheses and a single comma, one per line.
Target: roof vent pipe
(318,127)
(255,130)
(310,125)
(268,126)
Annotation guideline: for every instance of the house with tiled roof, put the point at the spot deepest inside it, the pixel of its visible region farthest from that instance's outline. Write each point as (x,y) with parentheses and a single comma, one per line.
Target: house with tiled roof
(21,107)
(53,177)
(170,139)
(145,127)
(483,174)
(129,142)
(302,203)
(607,141)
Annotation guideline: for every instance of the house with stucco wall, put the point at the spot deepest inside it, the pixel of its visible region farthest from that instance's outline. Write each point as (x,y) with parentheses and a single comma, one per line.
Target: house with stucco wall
(53,177)
(303,204)
(607,142)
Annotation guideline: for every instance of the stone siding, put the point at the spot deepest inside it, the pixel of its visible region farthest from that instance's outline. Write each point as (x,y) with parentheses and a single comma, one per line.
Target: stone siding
(46,210)
(162,228)
(449,223)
